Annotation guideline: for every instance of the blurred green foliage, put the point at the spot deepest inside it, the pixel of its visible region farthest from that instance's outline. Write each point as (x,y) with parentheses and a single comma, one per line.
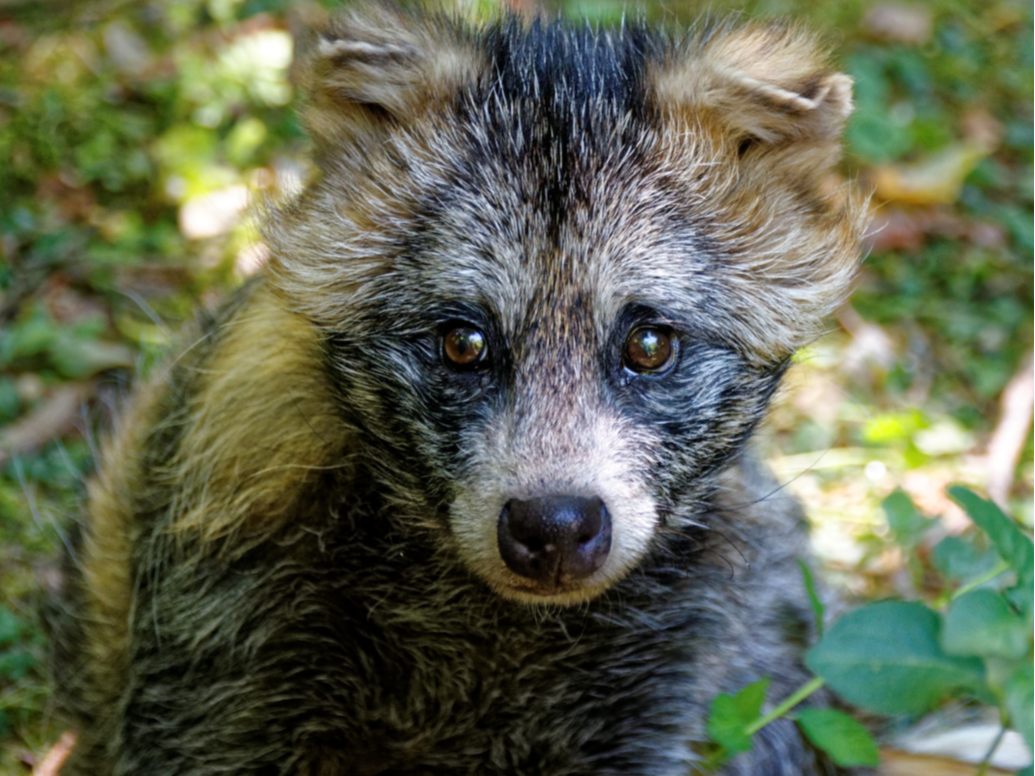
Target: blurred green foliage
(117,118)
(905,657)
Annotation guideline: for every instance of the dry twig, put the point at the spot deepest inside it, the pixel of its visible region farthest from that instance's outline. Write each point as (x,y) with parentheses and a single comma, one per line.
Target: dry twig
(51,764)
(1007,442)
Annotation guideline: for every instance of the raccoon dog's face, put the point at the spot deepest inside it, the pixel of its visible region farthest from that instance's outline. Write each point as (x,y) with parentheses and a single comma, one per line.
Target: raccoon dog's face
(561,271)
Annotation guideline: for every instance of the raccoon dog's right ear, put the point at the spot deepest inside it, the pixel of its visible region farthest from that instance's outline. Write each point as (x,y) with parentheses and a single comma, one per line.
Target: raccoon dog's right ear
(378,66)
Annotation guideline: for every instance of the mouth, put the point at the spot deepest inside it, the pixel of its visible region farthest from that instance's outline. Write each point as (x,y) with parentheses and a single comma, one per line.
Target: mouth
(559,593)
(541,590)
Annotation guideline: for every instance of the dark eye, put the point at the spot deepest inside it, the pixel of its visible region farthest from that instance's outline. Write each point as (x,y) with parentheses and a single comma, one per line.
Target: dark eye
(464,347)
(648,349)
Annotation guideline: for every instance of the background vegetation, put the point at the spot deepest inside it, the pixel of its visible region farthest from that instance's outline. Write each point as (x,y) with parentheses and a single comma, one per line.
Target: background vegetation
(133,135)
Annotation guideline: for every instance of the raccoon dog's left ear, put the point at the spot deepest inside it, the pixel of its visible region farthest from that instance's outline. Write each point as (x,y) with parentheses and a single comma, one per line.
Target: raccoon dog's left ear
(771,84)
(764,106)
(376,67)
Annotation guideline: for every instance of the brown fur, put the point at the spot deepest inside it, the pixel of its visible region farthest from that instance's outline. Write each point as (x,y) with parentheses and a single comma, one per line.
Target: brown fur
(106,553)
(260,428)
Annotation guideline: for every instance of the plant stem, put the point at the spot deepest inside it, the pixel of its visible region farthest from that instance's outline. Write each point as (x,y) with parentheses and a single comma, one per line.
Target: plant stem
(1003,566)
(983,769)
(786,705)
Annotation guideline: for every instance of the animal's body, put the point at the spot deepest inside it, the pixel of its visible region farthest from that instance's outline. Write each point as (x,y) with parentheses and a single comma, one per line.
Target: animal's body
(459,485)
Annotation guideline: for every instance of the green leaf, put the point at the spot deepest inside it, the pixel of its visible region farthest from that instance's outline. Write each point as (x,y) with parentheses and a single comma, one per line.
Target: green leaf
(11,627)
(597,10)
(957,558)
(1026,182)
(726,727)
(27,338)
(845,740)
(731,714)
(15,663)
(887,657)
(749,700)
(998,671)
(981,623)
(77,357)
(905,522)
(1020,700)
(874,138)
(810,589)
(10,401)
(1014,547)
(1015,219)
(894,427)
(1022,596)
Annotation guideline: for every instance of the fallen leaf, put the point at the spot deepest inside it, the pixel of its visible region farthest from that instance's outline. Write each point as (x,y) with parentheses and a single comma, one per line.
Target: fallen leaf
(944,437)
(13,35)
(987,235)
(74,202)
(894,763)
(871,347)
(938,179)
(927,487)
(213,214)
(67,304)
(907,22)
(981,128)
(126,49)
(895,229)
(56,416)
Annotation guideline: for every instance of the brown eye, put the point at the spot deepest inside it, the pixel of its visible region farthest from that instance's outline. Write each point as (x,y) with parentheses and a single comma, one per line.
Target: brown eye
(648,349)
(464,347)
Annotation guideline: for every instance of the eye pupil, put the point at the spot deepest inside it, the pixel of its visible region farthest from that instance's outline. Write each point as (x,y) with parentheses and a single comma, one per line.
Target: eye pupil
(648,349)
(464,346)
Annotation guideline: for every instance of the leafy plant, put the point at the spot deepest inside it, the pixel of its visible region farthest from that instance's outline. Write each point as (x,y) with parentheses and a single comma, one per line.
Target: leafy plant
(16,659)
(905,657)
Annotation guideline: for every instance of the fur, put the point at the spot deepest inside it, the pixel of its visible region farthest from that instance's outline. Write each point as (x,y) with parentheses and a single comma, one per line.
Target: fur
(289,563)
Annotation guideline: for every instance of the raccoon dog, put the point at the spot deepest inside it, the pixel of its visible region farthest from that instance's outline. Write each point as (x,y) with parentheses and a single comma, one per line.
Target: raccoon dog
(459,485)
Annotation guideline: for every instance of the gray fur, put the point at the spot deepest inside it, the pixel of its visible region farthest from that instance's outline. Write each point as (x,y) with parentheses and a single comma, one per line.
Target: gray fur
(359,618)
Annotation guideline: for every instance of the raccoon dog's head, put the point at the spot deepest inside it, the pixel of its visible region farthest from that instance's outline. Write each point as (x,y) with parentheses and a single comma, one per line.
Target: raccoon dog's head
(560,270)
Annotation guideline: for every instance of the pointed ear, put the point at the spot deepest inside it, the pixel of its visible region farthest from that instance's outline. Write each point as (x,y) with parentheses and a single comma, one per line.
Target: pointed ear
(764,109)
(769,84)
(378,67)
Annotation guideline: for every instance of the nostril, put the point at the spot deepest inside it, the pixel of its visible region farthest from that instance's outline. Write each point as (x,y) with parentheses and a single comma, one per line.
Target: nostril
(554,538)
(533,544)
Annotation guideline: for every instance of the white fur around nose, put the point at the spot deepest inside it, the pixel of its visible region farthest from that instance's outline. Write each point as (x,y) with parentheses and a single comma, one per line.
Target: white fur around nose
(585,454)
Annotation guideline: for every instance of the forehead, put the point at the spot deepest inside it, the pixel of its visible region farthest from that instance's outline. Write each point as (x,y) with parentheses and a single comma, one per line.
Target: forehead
(568,73)
(611,235)
(555,184)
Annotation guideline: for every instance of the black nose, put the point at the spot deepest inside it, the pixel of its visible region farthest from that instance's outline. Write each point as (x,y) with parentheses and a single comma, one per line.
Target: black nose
(555,539)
